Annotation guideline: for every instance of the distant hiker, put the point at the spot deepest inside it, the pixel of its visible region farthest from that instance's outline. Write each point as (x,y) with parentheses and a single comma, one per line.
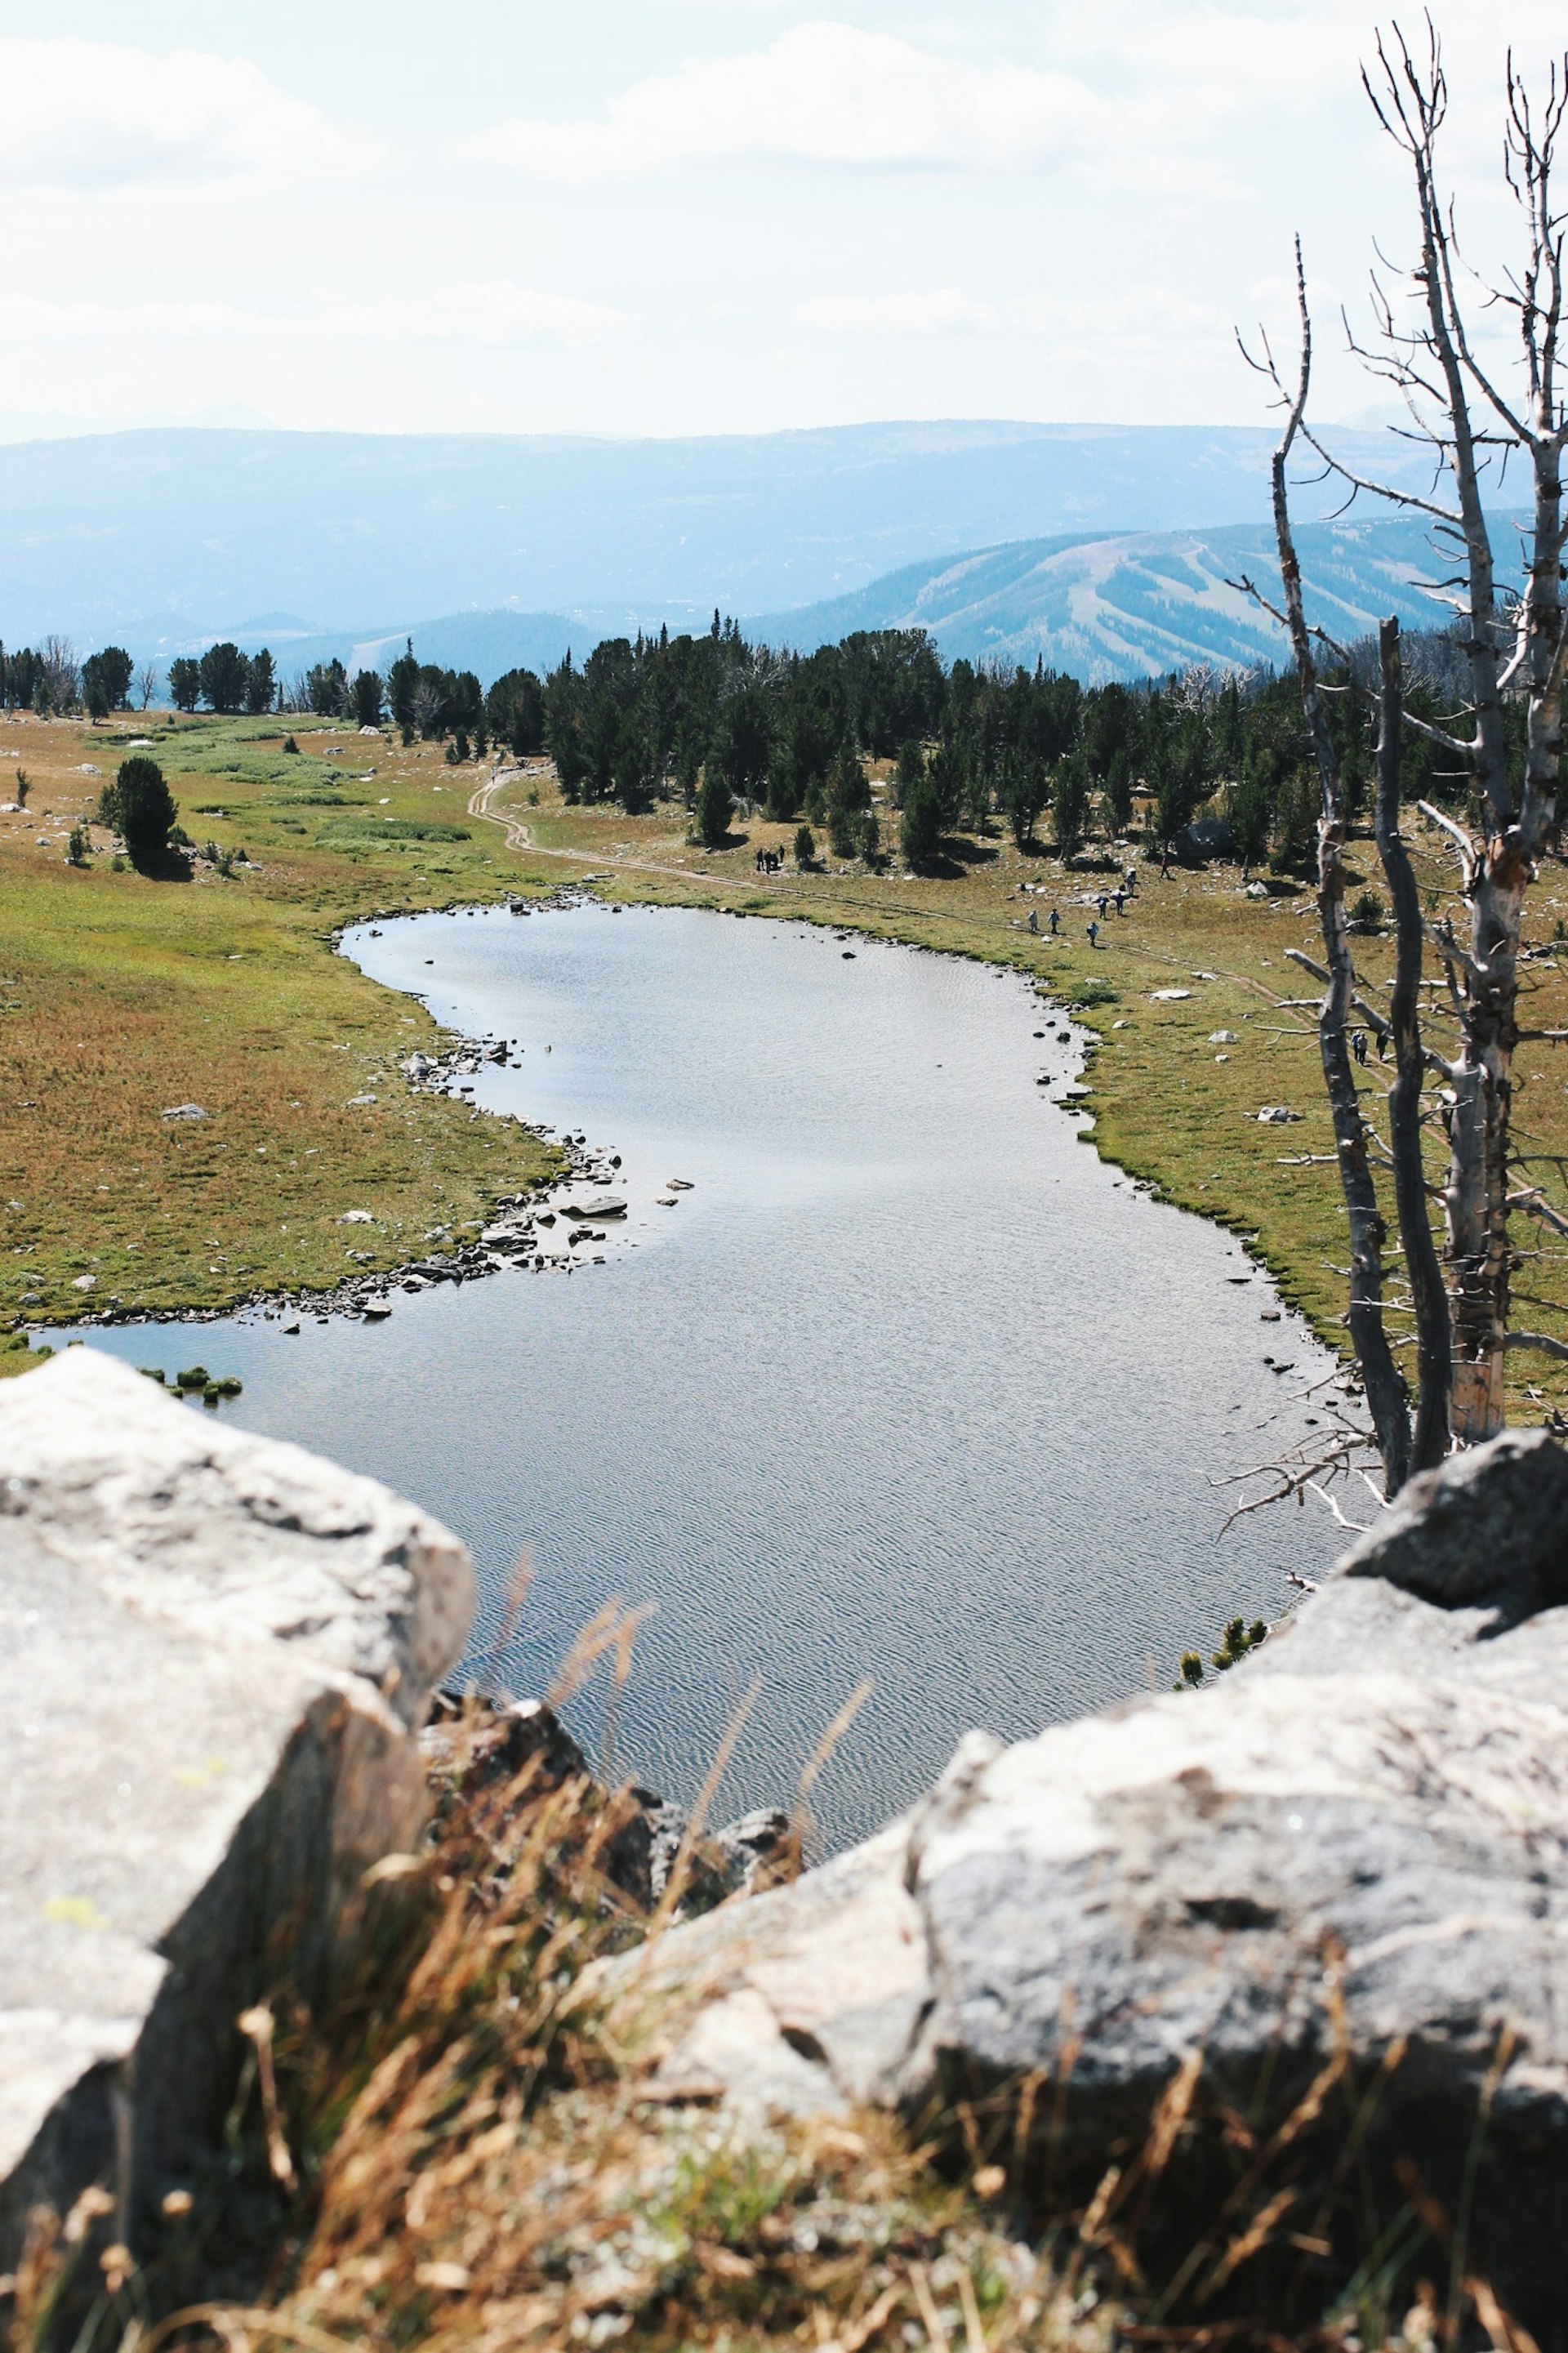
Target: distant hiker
(1103,903)
(1094,936)
(1055,922)
(1034,920)
(1358,1042)
(1131,881)
(1120,902)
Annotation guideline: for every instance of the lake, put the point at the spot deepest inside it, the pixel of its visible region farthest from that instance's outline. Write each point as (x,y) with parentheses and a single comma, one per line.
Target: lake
(908,1386)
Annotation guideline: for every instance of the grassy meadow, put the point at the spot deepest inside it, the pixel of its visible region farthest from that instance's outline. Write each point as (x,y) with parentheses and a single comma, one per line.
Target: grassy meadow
(121,996)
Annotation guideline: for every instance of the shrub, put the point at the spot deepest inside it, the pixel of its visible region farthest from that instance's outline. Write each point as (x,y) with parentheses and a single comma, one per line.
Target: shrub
(143,810)
(76,848)
(920,830)
(195,1377)
(1367,911)
(290,744)
(805,846)
(1239,1638)
(713,807)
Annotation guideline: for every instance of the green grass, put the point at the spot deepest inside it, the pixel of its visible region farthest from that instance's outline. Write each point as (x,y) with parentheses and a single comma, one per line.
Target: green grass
(123,996)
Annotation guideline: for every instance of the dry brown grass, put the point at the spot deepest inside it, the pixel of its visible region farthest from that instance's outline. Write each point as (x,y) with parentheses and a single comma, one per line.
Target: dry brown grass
(463,2153)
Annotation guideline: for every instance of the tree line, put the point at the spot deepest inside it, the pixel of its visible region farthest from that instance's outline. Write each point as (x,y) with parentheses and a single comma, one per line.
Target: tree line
(724,724)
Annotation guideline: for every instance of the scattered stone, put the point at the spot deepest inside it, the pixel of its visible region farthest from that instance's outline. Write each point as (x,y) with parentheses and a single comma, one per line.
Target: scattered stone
(1277,1115)
(356,1218)
(1223,1038)
(84,1282)
(1172,996)
(679,1184)
(184,1111)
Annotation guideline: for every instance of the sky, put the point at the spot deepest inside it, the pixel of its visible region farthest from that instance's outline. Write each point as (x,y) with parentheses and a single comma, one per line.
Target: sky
(672,217)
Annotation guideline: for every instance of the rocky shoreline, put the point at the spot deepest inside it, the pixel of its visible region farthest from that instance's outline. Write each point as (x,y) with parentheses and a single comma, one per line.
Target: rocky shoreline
(540,1231)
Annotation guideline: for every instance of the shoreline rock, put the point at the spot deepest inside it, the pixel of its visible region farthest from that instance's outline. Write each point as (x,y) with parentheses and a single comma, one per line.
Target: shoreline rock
(1345,1864)
(218,1651)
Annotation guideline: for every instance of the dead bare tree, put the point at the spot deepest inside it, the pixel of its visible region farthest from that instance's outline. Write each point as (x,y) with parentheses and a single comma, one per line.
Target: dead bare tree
(147,682)
(1386,1389)
(1515,647)
(61,672)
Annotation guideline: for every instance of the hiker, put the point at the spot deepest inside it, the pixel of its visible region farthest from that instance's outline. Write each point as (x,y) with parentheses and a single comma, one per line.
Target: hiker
(1131,881)
(1357,1043)
(1120,901)
(1094,936)
(1103,903)
(1053,922)
(1034,920)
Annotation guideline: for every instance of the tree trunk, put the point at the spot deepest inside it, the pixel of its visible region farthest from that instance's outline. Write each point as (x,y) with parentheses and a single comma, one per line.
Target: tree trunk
(1434,1336)
(1386,1391)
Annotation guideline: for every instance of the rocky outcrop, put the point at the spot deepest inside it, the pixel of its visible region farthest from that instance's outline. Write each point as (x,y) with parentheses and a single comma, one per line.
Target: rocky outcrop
(517,1747)
(1344,1866)
(216,1653)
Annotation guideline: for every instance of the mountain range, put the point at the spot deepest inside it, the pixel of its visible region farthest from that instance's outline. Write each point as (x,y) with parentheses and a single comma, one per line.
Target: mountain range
(1105,549)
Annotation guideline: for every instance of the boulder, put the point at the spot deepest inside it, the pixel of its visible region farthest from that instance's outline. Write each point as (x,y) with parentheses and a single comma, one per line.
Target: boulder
(216,1653)
(1345,1863)
(517,1746)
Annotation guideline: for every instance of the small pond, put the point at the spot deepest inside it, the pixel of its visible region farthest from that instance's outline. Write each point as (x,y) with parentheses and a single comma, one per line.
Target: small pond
(908,1385)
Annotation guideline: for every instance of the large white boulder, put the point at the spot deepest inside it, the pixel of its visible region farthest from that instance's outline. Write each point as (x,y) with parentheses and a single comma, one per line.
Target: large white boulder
(1350,1852)
(215,1652)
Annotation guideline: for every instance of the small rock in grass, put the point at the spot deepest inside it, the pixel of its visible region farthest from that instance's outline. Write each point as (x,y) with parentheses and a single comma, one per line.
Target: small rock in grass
(184,1111)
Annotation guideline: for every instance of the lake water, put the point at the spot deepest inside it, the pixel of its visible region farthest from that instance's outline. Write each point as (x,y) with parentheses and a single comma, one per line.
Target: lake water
(909,1385)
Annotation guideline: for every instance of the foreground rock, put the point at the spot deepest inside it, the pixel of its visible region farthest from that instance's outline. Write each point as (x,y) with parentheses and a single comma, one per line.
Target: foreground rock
(217,1653)
(518,1746)
(1340,1874)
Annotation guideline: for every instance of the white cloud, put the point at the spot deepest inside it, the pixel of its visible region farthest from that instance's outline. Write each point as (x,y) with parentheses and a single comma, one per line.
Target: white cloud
(944,311)
(91,116)
(1134,318)
(822,93)
(495,316)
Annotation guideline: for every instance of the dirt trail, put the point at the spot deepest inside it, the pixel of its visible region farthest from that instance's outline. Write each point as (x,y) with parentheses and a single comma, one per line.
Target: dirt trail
(519,836)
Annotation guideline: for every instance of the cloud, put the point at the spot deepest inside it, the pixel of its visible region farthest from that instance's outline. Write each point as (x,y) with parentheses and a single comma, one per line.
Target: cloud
(493,316)
(822,93)
(1137,318)
(496,315)
(945,311)
(92,116)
